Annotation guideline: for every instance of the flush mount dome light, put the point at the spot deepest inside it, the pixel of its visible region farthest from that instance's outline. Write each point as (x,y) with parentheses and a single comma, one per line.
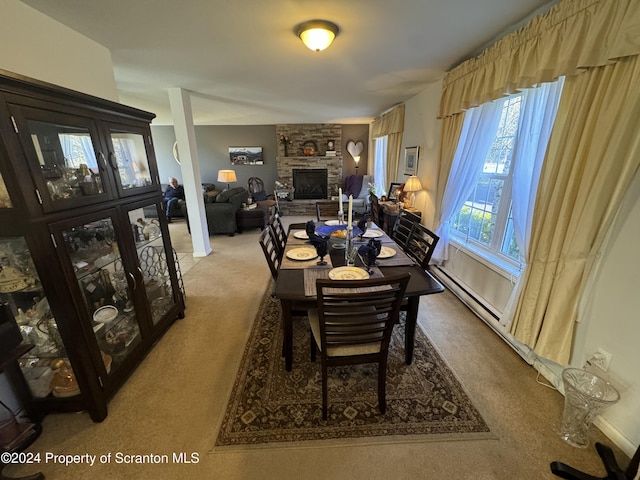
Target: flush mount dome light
(317,34)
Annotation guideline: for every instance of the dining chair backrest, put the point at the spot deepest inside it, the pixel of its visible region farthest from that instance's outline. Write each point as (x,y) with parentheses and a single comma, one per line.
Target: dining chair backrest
(279,233)
(421,244)
(353,324)
(402,227)
(374,205)
(270,250)
(327,211)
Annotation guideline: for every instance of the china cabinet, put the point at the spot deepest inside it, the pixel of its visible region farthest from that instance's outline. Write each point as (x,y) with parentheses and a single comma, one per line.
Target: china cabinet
(90,281)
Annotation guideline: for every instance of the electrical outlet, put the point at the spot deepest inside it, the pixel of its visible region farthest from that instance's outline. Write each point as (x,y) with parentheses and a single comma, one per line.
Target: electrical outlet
(601,359)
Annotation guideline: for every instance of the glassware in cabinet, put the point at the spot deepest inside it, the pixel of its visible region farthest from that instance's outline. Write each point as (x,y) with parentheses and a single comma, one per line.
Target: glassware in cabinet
(46,368)
(94,253)
(152,260)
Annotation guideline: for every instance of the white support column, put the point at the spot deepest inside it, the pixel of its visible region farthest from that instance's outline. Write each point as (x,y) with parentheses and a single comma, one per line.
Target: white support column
(191,180)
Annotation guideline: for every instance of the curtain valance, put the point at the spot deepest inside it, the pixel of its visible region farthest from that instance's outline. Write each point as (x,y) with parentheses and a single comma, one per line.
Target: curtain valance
(388,123)
(574,35)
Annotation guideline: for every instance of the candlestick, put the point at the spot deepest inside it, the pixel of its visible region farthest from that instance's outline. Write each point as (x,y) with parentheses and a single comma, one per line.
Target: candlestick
(350,212)
(340,201)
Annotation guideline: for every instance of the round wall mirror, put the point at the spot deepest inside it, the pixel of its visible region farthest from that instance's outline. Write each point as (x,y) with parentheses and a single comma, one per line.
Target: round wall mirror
(175,153)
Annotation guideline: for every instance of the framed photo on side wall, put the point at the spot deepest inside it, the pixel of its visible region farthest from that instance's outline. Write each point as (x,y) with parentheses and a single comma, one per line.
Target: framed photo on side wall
(411,160)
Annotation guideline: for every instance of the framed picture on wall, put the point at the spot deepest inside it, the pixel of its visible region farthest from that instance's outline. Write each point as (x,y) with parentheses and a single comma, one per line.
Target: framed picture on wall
(246,155)
(411,160)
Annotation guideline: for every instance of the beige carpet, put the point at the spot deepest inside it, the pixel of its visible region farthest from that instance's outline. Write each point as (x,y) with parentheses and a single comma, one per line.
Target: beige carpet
(176,398)
(270,405)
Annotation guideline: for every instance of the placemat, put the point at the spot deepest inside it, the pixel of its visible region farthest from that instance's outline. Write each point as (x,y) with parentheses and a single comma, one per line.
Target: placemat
(311,274)
(287,263)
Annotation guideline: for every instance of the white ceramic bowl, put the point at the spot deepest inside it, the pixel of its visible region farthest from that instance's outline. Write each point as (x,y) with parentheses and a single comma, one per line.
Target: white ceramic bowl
(105,314)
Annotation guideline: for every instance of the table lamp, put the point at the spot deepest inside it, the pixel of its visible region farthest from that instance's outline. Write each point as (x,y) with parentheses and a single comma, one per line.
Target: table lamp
(412,185)
(227,176)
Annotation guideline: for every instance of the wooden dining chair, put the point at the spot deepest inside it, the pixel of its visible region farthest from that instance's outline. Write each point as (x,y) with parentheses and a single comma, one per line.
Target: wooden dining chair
(376,209)
(352,324)
(402,227)
(279,233)
(326,210)
(270,250)
(421,244)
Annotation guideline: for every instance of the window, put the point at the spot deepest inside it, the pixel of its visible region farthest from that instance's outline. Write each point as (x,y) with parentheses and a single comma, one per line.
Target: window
(496,200)
(485,218)
(380,165)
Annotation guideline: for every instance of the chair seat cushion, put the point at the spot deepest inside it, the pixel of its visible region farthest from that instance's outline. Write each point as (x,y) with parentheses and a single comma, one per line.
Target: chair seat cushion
(364,349)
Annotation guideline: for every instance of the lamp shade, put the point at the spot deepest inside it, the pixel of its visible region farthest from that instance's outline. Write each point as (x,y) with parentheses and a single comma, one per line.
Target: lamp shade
(227,176)
(317,34)
(412,184)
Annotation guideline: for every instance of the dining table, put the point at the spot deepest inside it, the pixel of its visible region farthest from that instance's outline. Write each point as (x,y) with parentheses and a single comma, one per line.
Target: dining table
(299,269)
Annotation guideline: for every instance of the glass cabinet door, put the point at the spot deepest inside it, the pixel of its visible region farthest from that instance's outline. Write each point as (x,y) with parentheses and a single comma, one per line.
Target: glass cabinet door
(152,260)
(46,367)
(128,157)
(64,156)
(106,289)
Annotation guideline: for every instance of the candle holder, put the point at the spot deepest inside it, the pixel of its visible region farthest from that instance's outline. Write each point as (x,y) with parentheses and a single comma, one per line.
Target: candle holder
(351,250)
(340,217)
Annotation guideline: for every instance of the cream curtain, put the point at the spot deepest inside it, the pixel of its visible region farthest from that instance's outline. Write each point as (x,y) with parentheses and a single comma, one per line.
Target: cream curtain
(572,36)
(390,124)
(592,156)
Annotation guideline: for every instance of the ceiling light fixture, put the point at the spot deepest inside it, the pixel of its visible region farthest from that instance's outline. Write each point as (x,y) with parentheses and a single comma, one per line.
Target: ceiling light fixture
(317,34)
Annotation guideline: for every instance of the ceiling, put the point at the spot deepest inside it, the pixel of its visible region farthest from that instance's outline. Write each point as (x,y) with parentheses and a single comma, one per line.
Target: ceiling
(244,65)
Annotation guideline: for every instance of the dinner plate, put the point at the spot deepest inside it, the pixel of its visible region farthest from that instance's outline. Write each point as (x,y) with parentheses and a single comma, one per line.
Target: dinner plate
(348,273)
(304,253)
(373,233)
(332,223)
(386,252)
(301,234)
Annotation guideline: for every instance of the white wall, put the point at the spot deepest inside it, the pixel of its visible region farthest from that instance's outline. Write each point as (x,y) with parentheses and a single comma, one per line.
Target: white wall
(610,319)
(36,46)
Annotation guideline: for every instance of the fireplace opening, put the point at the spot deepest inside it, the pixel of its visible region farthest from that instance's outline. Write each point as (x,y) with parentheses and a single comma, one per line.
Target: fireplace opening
(310,183)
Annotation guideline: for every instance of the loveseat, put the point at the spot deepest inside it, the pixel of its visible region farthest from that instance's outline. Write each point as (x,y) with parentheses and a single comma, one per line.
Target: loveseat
(221,208)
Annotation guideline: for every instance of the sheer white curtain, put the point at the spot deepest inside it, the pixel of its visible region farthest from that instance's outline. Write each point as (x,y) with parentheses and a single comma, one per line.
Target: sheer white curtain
(537,115)
(380,165)
(83,142)
(478,132)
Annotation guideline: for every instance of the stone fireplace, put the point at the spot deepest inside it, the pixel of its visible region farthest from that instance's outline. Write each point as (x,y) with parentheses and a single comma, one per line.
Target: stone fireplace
(310,184)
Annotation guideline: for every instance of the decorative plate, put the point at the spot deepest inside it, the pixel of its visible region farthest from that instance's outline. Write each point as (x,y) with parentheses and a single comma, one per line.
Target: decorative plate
(386,252)
(348,273)
(304,253)
(301,235)
(105,314)
(373,233)
(332,223)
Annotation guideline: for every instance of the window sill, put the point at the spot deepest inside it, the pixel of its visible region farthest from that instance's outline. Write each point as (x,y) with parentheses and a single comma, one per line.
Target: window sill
(502,267)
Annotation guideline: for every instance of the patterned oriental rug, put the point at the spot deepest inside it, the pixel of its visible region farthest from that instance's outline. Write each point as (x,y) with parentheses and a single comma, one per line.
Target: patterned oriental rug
(269,404)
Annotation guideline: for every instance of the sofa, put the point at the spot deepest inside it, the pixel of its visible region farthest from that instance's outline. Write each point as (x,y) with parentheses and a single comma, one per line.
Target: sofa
(178,209)
(221,209)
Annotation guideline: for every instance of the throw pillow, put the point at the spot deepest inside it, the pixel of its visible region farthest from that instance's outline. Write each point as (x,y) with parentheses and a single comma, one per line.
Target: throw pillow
(225,195)
(210,196)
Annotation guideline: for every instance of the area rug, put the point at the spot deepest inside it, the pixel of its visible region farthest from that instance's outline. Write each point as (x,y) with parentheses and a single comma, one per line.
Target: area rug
(270,405)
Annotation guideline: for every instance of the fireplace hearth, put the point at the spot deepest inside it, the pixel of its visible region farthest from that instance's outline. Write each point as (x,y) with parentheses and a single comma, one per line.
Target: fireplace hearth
(310,184)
